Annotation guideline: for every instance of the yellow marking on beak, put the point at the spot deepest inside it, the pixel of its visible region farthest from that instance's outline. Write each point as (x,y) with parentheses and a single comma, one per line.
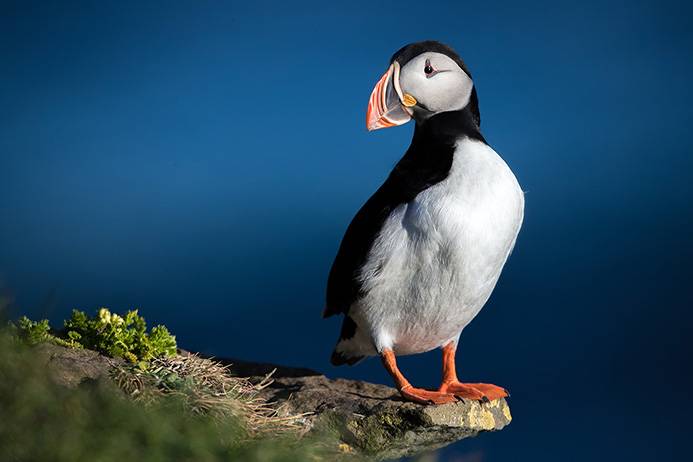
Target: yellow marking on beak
(408,100)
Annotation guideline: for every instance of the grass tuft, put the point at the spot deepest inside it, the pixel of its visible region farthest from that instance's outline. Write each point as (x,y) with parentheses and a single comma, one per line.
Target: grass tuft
(207,388)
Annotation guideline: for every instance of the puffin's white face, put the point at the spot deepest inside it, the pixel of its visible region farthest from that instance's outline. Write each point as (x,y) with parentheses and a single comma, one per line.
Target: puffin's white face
(436,82)
(427,84)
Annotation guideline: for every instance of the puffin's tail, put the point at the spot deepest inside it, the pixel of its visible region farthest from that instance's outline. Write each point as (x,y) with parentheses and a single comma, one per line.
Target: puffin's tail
(342,353)
(339,359)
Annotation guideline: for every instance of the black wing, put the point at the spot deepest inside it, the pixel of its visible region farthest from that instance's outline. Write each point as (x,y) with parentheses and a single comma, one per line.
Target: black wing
(343,286)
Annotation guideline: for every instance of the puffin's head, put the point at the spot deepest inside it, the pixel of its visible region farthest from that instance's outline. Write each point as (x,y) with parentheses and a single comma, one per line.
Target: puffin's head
(424,79)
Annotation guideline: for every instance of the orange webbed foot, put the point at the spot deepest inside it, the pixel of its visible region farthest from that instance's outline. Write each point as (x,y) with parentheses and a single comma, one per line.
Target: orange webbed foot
(491,391)
(475,391)
(422,396)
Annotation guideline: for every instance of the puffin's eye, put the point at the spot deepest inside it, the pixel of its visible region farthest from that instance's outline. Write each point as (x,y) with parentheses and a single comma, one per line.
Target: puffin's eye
(428,69)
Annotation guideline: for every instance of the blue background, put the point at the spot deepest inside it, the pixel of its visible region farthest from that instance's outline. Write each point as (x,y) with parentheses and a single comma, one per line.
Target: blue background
(201,162)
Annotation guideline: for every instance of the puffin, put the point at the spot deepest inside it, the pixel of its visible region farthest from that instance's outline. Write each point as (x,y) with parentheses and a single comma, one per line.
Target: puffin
(421,257)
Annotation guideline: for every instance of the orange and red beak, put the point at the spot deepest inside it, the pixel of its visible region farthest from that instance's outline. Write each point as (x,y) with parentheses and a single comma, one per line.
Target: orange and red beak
(386,106)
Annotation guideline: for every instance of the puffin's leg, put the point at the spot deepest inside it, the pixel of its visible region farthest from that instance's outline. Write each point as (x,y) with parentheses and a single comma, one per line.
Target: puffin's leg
(409,393)
(480,391)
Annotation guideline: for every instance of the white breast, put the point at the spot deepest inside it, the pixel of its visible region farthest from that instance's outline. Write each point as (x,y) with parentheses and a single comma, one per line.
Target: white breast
(438,258)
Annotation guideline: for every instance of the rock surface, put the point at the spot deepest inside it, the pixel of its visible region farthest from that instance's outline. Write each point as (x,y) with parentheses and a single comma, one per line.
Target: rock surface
(373,418)
(369,418)
(70,367)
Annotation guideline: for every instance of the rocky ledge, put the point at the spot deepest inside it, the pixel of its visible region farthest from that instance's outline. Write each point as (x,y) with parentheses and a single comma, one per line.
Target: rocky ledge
(369,418)
(372,418)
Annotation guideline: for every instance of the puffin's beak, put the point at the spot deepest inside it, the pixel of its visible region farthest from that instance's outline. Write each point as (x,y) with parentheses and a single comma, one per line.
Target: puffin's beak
(385,108)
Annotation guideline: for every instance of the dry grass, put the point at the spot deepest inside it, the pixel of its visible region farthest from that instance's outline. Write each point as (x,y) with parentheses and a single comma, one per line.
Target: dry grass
(207,388)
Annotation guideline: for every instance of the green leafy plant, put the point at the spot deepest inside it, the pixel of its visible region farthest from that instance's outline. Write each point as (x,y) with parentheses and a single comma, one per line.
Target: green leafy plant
(117,336)
(35,332)
(108,333)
